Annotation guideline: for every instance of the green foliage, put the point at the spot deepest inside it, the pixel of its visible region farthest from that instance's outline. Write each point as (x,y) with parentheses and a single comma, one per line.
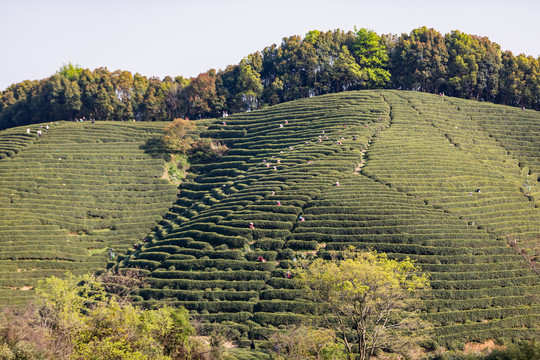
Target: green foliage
(473,65)
(175,174)
(80,320)
(347,74)
(249,86)
(70,71)
(372,299)
(201,95)
(176,136)
(371,56)
(418,61)
(302,343)
(177,166)
(206,150)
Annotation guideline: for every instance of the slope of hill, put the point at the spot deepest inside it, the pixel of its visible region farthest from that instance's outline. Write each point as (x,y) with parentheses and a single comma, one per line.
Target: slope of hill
(458,152)
(419,175)
(394,171)
(69,195)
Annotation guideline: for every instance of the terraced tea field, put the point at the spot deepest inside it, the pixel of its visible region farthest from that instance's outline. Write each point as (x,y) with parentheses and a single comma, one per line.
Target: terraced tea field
(404,173)
(467,167)
(69,195)
(450,183)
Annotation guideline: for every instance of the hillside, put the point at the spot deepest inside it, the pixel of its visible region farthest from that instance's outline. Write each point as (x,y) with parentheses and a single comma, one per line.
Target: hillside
(408,166)
(66,197)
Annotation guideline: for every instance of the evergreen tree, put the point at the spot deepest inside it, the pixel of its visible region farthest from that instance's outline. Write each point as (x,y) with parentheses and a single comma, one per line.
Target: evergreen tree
(370,54)
(249,87)
(419,61)
(347,74)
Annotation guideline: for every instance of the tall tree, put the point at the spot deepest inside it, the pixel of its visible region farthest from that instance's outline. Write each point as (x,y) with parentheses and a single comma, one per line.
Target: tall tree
(521,81)
(368,299)
(123,85)
(103,108)
(462,65)
(272,84)
(140,87)
(328,48)
(489,65)
(418,61)
(174,97)
(290,68)
(347,74)
(226,85)
(473,66)
(88,89)
(73,101)
(249,86)
(370,54)
(21,103)
(201,96)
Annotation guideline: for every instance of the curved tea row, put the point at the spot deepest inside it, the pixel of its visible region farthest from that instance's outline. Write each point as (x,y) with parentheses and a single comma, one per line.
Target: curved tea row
(70,195)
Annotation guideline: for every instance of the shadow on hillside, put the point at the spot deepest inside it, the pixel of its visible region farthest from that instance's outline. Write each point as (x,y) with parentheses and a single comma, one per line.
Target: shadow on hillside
(156,149)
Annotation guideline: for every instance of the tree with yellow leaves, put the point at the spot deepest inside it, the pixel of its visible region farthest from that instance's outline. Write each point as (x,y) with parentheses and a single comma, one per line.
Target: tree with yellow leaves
(176,135)
(370,301)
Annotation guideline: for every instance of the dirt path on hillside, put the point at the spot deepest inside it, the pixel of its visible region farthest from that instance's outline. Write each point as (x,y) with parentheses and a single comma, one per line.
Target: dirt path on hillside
(362,162)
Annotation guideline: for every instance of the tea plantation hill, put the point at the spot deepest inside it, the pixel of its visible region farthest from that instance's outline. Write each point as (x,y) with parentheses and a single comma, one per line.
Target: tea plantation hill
(69,195)
(408,166)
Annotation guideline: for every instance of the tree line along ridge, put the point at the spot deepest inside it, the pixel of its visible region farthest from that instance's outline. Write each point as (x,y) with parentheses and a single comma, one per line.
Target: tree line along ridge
(456,64)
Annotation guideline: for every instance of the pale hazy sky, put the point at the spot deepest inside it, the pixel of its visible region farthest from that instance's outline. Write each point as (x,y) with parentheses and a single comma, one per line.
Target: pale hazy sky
(165,37)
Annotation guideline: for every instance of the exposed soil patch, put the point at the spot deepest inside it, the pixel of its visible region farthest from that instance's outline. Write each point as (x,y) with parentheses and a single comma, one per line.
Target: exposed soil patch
(362,162)
(476,348)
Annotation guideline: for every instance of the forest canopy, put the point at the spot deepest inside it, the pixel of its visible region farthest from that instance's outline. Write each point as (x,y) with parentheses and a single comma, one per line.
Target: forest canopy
(456,64)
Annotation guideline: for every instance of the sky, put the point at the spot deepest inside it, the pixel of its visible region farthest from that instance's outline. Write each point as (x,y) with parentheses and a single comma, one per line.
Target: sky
(188,37)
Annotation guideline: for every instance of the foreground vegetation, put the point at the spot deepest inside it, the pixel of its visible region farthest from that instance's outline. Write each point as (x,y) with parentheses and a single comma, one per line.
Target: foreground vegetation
(89,317)
(76,318)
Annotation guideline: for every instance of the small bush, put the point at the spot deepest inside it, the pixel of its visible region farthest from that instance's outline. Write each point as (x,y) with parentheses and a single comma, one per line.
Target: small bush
(206,151)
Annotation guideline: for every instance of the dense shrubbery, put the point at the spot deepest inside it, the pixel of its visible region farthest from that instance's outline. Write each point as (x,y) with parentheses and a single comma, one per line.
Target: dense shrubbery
(206,151)
(76,318)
